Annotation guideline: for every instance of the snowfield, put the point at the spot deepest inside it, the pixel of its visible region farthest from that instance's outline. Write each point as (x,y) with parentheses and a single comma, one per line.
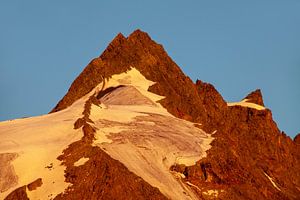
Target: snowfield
(37,142)
(131,126)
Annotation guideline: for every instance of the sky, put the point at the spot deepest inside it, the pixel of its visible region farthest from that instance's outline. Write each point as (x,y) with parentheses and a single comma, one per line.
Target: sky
(236,45)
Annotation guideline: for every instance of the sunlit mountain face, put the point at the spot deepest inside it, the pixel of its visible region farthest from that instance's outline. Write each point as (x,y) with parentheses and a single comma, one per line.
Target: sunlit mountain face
(134,126)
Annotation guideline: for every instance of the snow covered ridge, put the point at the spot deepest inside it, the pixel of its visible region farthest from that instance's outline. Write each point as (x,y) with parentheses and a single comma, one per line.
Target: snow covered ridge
(37,142)
(245,103)
(130,126)
(29,148)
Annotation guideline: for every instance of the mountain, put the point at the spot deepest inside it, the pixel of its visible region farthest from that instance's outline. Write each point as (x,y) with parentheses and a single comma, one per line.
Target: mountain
(134,126)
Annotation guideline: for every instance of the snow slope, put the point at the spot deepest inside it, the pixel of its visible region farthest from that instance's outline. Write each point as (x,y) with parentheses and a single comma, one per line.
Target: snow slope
(38,141)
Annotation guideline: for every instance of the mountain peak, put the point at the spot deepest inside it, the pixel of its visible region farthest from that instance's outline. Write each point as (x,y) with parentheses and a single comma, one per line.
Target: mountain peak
(128,44)
(137,50)
(115,43)
(131,101)
(118,39)
(139,35)
(255,97)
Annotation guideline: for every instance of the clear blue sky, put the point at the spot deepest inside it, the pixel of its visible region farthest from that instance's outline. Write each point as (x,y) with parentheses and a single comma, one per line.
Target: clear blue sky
(236,45)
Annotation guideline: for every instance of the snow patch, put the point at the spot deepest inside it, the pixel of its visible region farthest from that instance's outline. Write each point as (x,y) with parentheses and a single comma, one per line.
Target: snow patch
(113,113)
(130,96)
(271,180)
(81,161)
(102,135)
(245,103)
(191,184)
(187,160)
(214,193)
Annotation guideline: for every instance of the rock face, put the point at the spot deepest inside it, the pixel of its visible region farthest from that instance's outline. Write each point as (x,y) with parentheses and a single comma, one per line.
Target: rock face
(19,193)
(255,97)
(249,158)
(35,184)
(297,139)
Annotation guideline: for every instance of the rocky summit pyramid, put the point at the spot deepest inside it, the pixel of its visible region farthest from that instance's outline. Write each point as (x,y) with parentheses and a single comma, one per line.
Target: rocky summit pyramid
(134,126)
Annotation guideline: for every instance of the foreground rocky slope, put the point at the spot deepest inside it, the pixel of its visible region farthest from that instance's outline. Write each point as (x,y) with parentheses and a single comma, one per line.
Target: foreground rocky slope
(136,127)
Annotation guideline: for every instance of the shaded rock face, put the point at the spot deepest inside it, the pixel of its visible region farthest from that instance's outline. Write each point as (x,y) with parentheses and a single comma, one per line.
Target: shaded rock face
(8,178)
(19,193)
(250,158)
(211,108)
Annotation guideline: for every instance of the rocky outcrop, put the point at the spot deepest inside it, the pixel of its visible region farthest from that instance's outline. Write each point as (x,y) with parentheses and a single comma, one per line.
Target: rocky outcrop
(211,107)
(255,97)
(35,184)
(297,139)
(19,194)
